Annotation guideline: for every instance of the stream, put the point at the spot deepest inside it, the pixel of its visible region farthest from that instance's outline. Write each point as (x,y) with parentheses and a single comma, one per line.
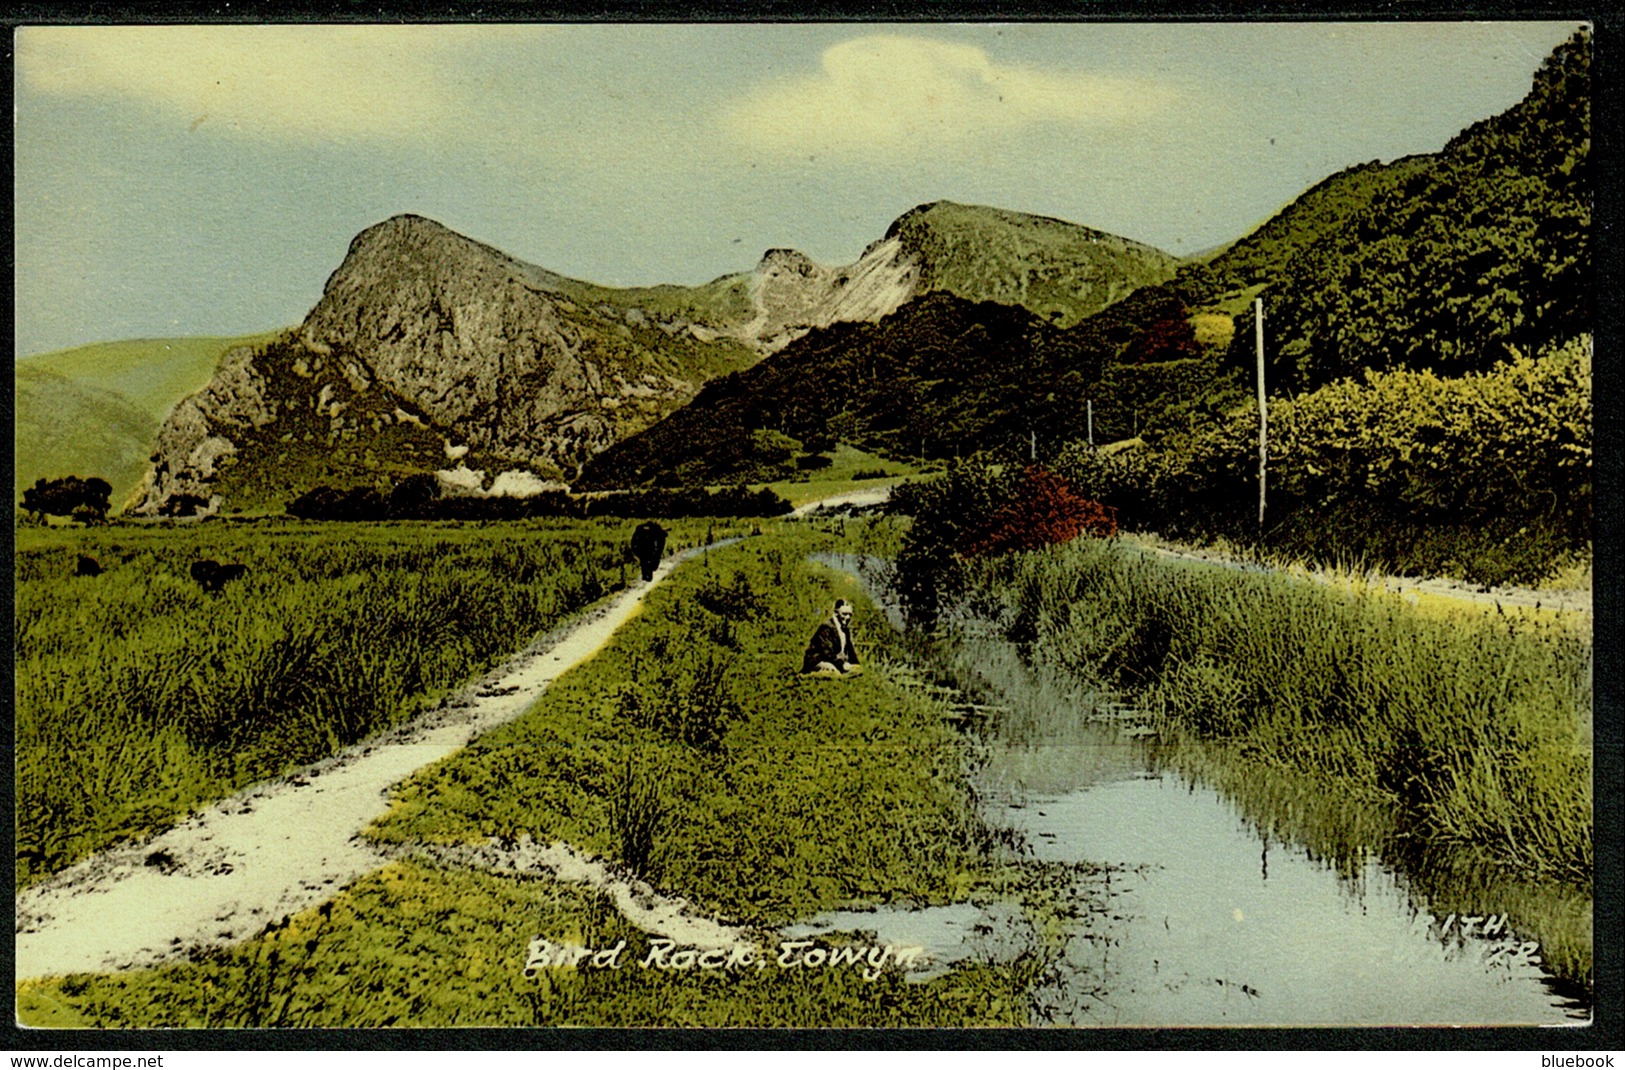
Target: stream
(1215,916)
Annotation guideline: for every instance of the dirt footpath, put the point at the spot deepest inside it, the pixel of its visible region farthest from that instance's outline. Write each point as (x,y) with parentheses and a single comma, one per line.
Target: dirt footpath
(1565,601)
(282,846)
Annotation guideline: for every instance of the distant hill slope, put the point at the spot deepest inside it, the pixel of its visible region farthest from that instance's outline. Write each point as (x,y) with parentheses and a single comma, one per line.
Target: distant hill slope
(151,374)
(1060,271)
(65,428)
(95,410)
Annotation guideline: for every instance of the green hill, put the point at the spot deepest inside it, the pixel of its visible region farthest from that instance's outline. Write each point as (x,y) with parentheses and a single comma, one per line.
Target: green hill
(1446,262)
(149,373)
(1058,270)
(96,409)
(64,428)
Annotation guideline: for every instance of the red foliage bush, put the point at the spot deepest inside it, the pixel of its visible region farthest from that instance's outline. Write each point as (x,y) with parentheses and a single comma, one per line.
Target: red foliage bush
(1045,511)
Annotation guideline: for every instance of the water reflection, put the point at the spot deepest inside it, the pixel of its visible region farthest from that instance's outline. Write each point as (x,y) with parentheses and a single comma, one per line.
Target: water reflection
(1230,917)
(1243,895)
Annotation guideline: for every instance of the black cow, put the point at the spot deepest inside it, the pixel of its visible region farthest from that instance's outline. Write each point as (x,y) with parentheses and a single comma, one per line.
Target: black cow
(648,546)
(212,576)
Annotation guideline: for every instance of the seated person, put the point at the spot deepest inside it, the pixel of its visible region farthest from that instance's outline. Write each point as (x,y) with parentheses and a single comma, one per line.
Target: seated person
(831,649)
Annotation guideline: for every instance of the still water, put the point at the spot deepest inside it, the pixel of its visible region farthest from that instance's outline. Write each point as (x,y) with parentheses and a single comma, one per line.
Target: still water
(1213,916)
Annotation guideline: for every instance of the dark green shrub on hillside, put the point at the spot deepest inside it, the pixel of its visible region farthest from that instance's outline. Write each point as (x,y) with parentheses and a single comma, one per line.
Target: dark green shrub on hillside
(413,498)
(332,503)
(1484,246)
(730,501)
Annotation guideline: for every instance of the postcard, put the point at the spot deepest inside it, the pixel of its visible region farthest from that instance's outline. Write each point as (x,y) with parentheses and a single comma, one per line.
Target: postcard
(1055,526)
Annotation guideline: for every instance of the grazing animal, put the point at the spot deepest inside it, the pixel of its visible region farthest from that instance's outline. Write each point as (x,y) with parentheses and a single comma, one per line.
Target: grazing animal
(648,545)
(212,576)
(88,566)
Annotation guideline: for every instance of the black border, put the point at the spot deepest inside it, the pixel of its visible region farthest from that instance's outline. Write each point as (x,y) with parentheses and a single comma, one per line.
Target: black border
(1603,1034)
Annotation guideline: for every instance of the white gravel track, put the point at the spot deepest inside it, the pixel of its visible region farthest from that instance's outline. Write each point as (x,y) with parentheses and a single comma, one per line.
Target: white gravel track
(281,846)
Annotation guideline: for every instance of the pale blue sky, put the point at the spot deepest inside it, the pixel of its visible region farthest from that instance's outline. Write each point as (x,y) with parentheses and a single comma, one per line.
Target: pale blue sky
(191,180)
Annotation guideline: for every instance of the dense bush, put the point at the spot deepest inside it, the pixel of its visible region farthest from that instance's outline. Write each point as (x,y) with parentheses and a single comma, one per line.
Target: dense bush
(85,499)
(1043,510)
(730,501)
(1487,475)
(982,507)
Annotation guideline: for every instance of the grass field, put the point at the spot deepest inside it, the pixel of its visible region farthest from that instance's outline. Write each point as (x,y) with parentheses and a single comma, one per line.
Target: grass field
(691,751)
(841,477)
(140,697)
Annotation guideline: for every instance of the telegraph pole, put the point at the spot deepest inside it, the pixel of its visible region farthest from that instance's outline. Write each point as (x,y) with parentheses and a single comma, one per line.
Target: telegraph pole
(1263,411)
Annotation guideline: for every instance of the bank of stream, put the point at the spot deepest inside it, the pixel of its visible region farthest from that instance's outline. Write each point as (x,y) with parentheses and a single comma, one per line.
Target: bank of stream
(1235,898)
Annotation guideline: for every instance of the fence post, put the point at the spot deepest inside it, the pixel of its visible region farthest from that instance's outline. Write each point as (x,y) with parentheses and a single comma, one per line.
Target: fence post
(1263,411)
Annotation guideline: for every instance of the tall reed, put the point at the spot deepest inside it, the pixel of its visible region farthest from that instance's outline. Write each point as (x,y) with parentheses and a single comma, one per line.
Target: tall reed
(1478,729)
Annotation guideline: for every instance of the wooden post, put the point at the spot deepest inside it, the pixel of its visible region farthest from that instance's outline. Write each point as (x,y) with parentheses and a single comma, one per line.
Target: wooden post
(1263,411)
(1091,411)
(1032,445)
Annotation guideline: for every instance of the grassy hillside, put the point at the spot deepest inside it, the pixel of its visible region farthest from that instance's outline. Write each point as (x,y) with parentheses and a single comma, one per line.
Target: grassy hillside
(95,410)
(149,373)
(1319,213)
(723,302)
(1444,262)
(1060,271)
(65,428)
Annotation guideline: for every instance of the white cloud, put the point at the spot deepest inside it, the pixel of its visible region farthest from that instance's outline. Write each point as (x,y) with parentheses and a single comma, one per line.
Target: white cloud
(887,95)
(290,82)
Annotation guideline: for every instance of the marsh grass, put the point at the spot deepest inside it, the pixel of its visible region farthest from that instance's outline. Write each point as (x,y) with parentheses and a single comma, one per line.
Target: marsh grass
(1476,728)
(788,794)
(140,697)
(1347,830)
(638,813)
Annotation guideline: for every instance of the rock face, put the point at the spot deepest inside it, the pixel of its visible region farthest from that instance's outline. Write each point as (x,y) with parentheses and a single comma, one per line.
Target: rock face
(476,340)
(202,430)
(792,294)
(425,342)
(1059,270)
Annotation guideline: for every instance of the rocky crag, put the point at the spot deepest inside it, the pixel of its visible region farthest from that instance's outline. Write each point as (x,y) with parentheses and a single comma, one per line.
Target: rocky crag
(428,350)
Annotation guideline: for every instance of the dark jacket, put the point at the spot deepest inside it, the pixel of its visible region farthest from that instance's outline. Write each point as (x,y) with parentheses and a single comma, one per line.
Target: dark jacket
(648,544)
(827,646)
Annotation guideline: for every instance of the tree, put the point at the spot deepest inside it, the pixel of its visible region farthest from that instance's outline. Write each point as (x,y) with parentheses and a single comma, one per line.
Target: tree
(413,498)
(85,499)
